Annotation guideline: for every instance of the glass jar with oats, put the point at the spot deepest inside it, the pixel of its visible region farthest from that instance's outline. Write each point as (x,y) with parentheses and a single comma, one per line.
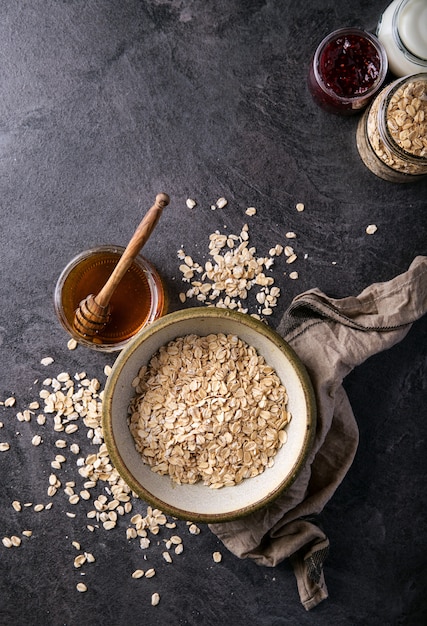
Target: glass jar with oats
(392,134)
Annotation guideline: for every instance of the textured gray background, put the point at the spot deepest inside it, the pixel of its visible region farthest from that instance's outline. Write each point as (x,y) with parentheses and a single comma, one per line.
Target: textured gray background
(102,105)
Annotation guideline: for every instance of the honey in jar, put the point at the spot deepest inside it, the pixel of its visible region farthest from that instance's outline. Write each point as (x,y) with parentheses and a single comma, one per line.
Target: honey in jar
(138,300)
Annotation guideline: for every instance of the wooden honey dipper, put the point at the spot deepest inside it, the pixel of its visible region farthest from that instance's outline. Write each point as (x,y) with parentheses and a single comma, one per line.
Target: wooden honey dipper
(93,312)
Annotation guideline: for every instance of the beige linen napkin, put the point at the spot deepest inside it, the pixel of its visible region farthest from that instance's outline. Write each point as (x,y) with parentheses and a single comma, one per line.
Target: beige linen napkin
(331,337)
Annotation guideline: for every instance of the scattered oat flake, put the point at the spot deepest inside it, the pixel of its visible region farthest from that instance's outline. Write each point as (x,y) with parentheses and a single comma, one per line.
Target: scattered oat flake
(167,557)
(79,561)
(250,211)
(221,203)
(72,344)
(138,573)
(4,446)
(217,557)
(190,203)
(293,275)
(47,360)
(81,587)
(300,206)
(155,599)
(10,401)
(193,529)
(371,229)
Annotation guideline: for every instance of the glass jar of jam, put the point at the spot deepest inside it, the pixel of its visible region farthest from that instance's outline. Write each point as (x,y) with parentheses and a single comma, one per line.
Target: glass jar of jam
(392,134)
(138,300)
(402,29)
(347,70)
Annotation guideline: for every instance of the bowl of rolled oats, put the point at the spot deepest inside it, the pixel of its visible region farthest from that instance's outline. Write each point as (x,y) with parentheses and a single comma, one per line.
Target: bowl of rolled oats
(208,414)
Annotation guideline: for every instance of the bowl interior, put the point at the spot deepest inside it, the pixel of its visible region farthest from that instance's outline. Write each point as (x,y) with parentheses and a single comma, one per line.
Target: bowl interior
(199,502)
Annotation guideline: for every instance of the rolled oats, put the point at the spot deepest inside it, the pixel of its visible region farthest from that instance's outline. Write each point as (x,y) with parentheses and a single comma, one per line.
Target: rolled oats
(392,135)
(371,229)
(155,599)
(196,414)
(48,360)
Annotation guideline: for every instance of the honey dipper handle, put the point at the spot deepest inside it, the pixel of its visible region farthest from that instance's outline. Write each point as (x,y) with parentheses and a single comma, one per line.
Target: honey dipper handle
(138,240)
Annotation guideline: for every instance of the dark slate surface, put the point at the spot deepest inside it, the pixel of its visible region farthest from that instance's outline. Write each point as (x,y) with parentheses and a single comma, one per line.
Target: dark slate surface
(103,104)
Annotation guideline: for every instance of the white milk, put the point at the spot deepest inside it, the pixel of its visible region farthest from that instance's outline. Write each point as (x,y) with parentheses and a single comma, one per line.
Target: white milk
(402,30)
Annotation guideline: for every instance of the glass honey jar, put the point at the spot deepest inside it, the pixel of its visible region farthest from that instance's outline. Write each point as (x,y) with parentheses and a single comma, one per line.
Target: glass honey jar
(138,300)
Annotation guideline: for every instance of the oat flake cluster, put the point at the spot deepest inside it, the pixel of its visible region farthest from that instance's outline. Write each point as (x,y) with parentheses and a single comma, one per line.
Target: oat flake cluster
(210,409)
(70,407)
(235,269)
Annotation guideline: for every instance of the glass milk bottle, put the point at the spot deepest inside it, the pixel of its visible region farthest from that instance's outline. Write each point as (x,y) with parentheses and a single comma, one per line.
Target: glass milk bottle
(402,29)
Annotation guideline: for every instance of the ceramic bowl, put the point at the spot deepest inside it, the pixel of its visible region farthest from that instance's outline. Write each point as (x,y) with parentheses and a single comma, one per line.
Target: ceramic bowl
(199,502)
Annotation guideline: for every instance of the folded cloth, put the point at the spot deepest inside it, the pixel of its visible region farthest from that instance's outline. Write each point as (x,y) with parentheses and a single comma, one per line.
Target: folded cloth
(331,337)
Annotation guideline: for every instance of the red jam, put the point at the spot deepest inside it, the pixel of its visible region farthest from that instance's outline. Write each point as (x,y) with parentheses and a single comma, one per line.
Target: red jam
(347,69)
(349,65)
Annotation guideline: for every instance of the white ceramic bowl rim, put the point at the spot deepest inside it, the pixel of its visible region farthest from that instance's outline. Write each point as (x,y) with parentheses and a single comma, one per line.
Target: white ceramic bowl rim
(198,502)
